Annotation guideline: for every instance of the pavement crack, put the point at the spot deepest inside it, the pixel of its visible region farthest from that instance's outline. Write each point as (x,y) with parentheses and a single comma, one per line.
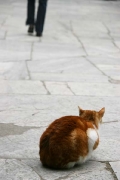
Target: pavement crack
(75,35)
(29,75)
(45,87)
(109,168)
(97,67)
(70,88)
(110,121)
(109,34)
(32,168)
(114,81)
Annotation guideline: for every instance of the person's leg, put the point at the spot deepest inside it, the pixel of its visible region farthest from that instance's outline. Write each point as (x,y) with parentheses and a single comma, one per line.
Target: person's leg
(30,12)
(41,16)
(30,15)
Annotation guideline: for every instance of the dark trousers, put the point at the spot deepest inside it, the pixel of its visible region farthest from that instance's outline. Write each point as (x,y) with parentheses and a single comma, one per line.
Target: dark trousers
(39,22)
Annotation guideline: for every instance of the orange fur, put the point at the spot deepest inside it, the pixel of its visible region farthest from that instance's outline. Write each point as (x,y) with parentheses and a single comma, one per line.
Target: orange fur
(66,140)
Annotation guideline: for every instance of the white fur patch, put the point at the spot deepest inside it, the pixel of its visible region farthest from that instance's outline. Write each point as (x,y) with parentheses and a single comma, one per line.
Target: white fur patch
(92,134)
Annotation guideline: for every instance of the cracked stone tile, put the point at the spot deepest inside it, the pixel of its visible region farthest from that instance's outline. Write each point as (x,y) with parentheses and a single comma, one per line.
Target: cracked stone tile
(14,50)
(104,60)
(21,146)
(69,77)
(117,43)
(99,47)
(116,168)
(16,170)
(107,150)
(115,79)
(22,87)
(13,71)
(33,110)
(58,88)
(60,36)
(84,171)
(110,70)
(76,65)
(56,51)
(94,89)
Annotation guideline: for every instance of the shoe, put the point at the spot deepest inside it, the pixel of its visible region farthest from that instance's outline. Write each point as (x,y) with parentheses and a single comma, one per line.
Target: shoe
(38,34)
(31,29)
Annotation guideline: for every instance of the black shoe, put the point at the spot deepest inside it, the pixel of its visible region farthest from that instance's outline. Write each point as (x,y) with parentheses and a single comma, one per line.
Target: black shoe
(31,29)
(38,34)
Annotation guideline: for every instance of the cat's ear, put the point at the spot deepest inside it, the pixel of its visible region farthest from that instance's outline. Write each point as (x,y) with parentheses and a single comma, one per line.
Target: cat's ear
(101,112)
(80,110)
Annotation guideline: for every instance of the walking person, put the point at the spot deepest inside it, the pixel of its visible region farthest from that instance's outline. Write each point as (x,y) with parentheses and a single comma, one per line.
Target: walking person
(37,23)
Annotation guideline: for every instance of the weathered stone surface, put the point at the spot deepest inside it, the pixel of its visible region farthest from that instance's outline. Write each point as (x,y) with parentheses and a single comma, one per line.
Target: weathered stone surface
(56,51)
(95,89)
(21,36)
(13,71)
(24,145)
(104,60)
(84,171)
(22,87)
(99,47)
(58,88)
(69,77)
(2,34)
(110,70)
(116,168)
(78,65)
(16,170)
(32,170)
(37,110)
(14,51)
(107,150)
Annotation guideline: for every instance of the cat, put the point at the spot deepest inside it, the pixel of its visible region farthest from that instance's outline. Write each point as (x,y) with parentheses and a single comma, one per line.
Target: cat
(70,140)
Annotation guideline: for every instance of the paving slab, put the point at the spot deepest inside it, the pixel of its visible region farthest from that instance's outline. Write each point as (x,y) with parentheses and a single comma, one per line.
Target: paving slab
(13,71)
(58,88)
(84,172)
(110,70)
(94,89)
(116,168)
(32,170)
(76,65)
(69,77)
(99,46)
(16,170)
(21,87)
(56,51)
(33,110)
(21,36)
(104,60)
(14,51)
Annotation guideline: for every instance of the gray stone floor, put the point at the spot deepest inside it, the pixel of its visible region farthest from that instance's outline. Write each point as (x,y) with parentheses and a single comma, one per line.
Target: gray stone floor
(76,62)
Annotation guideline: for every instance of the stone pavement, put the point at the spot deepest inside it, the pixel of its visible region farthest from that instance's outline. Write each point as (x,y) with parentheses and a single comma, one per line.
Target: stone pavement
(76,62)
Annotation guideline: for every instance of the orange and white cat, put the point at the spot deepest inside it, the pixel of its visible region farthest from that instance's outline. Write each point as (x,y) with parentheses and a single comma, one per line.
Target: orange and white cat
(70,140)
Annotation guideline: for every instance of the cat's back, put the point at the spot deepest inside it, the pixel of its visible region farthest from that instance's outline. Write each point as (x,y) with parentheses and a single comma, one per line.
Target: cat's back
(65,125)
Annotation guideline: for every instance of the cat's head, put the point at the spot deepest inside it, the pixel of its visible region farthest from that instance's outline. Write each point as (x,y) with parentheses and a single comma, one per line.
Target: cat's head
(94,116)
